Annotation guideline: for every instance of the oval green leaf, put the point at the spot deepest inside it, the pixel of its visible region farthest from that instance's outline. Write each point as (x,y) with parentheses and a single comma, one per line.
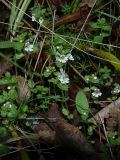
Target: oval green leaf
(82,104)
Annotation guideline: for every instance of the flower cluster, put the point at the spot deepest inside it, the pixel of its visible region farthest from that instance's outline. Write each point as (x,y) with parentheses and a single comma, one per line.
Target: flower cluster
(91,78)
(34,19)
(63,78)
(8,104)
(116,90)
(97,93)
(64,58)
(28,47)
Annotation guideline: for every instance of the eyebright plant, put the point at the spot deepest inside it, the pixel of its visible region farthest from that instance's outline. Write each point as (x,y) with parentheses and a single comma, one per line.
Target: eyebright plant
(103,28)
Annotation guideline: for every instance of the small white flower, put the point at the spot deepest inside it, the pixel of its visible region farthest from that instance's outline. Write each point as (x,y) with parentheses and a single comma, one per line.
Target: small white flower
(33,17)
(87,79)
(28,47)
(47,70)
(8,87)
(96,93)
(58,47)
(62,77)
(116,90)
(70,57)
(95,77)
(8,104)
(40,20)
(21,41)
(32,122)
(62,58)
(35,122)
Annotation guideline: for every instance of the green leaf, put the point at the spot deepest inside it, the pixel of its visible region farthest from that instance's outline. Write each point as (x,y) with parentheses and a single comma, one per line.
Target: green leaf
(18,56)
(9,44)
(59,64)
(13,14)
(82,104)
(107,28)
(12,115)
(98,39)
(31,83)
(3,149)
(104,34)
(65,111)
(64,87)
(3,131)
(95,25)
(25,155)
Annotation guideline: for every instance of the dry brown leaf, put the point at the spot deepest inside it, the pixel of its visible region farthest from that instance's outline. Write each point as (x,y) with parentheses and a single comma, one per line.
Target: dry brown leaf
(107,112)
(68,18)
(56,4)
(72,92)
(46,134)
(70,137)
(24,92)
(4,66)
(89,3)
(111,124)
(66,135)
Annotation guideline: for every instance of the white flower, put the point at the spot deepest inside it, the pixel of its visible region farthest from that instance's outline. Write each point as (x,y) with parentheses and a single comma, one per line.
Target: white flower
(70,57)
(8,87)
(28,47)
(33,17)
(84,113)
(87,79)
(32,122)
(96,93)
(116,89)
(94,77)
(40,20)
(58,47)
(8,104)
(62,77)
(47,70)
(62,58)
